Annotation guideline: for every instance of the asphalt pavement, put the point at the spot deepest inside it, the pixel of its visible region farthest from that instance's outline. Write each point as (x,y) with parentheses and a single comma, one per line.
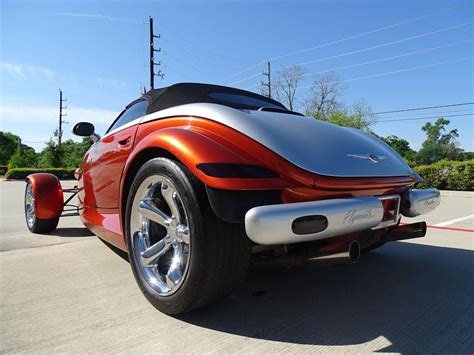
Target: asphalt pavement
(70,292)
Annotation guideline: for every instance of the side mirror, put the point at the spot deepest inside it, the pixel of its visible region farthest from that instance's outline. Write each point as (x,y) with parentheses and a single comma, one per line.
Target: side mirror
(85,129)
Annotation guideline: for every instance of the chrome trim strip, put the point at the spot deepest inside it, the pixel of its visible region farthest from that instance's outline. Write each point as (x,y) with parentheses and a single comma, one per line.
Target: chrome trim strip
(272,224)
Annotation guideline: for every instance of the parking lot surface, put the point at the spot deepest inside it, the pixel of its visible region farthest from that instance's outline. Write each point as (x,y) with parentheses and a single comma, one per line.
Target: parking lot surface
(69,292)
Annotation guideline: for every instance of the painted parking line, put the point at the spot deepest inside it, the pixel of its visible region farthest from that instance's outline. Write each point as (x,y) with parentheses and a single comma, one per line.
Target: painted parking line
(448,223)
(445,228)
(452,229)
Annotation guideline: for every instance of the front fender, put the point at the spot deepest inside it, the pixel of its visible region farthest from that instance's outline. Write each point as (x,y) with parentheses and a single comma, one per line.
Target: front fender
(48,194)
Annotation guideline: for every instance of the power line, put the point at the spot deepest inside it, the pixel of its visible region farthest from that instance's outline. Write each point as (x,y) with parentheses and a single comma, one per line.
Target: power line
(245,79)
(197,56)
(366,33)
(424,118)
(466,110)
(393,72)
(372,61)
(378,46)
(199,46)
(424,108)
(348,38)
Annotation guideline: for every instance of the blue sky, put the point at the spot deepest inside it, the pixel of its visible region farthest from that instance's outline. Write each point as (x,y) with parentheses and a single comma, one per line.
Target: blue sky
(96,52)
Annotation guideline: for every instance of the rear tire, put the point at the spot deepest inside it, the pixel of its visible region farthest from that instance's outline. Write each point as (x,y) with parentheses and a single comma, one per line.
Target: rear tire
(34,224)
(182,256)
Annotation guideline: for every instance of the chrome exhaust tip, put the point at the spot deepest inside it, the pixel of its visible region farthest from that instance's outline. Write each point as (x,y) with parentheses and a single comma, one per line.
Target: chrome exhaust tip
(350,255)
(354,251)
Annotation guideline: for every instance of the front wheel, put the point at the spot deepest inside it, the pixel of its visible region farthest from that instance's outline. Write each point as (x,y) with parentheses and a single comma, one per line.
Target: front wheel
(34,224)
(183,257)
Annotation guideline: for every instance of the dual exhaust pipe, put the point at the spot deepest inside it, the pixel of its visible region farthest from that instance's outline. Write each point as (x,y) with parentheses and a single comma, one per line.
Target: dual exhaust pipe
(350,254)
(301,257)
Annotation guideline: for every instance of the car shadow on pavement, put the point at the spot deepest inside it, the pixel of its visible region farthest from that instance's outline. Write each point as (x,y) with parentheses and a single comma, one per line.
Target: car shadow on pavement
(416,297)
(71,232)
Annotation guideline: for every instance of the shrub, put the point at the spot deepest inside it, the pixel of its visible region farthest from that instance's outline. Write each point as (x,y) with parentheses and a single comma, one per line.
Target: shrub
(3,169)
(447,175)
(21,173)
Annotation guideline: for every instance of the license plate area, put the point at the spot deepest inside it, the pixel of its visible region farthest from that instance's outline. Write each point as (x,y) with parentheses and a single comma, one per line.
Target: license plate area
(391,210)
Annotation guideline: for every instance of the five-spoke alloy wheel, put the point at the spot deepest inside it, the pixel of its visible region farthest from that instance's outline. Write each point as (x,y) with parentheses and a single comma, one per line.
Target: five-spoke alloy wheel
(182,255)
(160,234)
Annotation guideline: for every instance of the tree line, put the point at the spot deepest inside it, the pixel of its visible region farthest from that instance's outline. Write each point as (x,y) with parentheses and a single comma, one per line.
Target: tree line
(68,155)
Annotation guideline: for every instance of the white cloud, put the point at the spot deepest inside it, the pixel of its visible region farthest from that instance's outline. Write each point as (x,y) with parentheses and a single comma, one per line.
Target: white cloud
(49,114)
(36,124)
(27,71)
(116,84)
(13,69)
(97,16)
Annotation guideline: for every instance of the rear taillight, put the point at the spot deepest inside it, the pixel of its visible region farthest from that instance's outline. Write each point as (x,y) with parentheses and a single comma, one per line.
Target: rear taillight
(242,171)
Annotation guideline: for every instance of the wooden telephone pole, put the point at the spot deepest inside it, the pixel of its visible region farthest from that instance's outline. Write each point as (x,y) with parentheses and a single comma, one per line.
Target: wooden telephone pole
(268,84)
(59,131)
(152,58)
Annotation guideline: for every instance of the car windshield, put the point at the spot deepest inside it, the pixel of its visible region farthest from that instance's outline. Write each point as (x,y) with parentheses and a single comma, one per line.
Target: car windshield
(243,101)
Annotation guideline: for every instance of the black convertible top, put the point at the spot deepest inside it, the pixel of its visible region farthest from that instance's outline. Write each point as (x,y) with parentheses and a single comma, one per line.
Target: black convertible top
(187,93)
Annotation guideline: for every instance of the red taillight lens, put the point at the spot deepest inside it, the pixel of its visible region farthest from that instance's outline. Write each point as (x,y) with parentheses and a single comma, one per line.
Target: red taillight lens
(242,171)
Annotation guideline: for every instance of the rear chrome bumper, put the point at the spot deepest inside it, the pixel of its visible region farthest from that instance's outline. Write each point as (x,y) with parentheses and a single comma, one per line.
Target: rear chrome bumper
(278,224)
(418,202)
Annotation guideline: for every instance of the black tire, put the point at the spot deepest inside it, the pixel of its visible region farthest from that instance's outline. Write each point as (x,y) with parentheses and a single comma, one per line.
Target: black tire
(219,254)
(34,224)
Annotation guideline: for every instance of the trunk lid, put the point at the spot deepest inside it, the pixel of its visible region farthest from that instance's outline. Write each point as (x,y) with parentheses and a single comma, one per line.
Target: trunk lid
(324,148)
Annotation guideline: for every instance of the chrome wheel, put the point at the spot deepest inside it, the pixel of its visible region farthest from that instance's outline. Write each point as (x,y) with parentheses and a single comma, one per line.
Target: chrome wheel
(30,206)
(160,235)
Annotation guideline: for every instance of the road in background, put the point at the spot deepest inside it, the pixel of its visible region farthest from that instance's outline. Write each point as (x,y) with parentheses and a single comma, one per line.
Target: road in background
(69,292)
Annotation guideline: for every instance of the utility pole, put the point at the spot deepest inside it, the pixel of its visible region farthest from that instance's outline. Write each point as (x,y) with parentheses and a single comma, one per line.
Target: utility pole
(59,131)
(268,84)
(152,59)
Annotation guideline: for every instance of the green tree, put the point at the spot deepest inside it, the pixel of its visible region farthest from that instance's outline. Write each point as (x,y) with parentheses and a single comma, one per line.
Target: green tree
(401,146)
(9,154)
(73,152)
(468,156)
(50,156)
(439,144)
(8,146)
(24,158)
(359,115)
(323,104)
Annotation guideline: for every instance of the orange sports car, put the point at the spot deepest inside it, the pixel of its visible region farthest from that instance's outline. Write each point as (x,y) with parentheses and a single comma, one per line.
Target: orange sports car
(196,182)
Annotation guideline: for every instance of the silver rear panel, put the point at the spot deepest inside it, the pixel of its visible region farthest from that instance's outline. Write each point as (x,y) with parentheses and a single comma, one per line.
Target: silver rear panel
(316,146)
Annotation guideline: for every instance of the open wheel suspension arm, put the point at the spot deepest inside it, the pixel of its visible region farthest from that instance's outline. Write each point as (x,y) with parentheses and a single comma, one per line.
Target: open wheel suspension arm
(73,210)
